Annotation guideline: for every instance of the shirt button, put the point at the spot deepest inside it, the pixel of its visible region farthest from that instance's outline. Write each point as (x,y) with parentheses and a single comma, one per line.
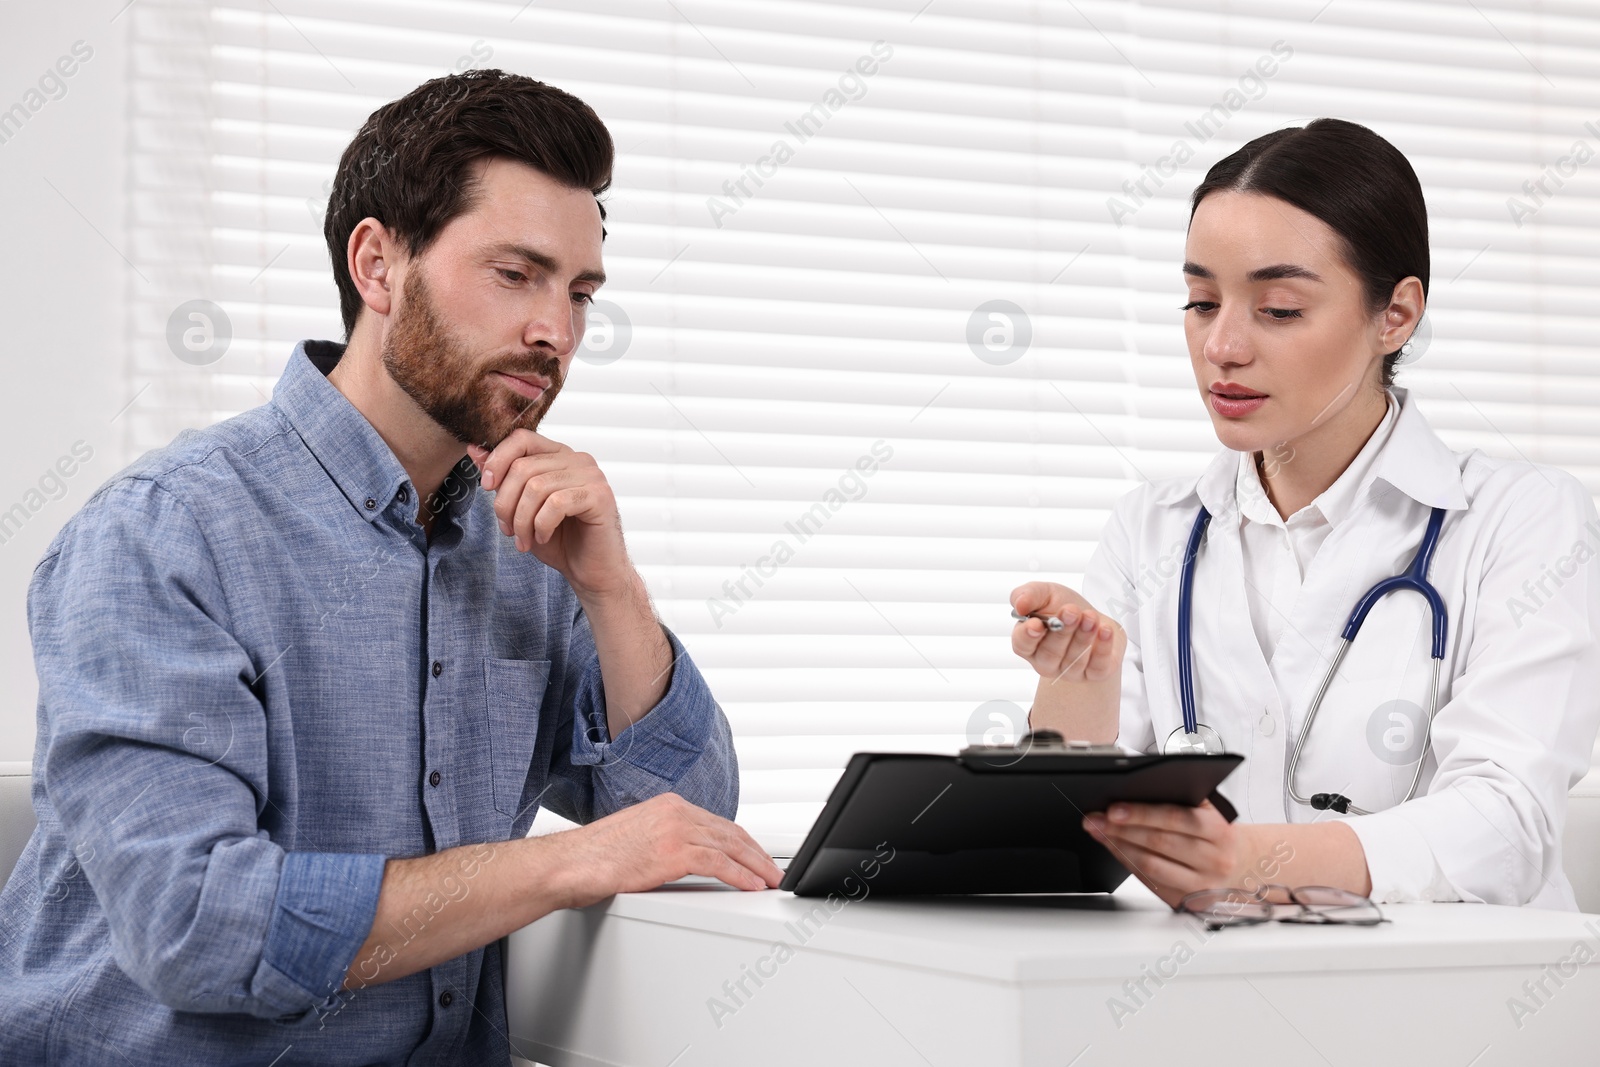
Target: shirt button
(438,668)
(371,503)
(405,494)
(435,778)
(446,999)
(1267,725)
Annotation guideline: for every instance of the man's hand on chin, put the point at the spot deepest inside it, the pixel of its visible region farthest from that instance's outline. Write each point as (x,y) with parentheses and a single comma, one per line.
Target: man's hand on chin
(559,506)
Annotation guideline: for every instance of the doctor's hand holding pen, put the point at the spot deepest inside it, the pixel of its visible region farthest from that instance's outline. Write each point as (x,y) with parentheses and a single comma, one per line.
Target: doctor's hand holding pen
(1077,652)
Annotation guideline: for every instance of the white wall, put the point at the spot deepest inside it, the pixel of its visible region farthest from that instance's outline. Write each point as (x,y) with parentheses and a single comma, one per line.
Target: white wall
(63,287)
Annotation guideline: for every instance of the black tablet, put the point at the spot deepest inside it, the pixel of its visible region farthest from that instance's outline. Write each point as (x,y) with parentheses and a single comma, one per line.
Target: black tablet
(986,821)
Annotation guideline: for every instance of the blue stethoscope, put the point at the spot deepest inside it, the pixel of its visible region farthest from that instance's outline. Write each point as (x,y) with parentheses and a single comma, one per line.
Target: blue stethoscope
(1196,736)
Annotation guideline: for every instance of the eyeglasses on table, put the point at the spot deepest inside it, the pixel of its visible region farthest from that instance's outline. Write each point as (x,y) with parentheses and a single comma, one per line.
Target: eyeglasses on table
(1311,904)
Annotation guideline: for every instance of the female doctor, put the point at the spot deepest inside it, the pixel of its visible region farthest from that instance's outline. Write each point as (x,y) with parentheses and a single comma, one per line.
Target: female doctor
(1307,271)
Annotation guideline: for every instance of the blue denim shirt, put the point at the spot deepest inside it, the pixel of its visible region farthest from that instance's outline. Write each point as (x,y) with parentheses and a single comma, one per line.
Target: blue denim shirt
(258,680)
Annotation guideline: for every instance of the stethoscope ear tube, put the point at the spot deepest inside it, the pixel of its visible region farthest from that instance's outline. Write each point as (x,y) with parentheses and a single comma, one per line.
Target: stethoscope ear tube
(1416,579)
(1185,614)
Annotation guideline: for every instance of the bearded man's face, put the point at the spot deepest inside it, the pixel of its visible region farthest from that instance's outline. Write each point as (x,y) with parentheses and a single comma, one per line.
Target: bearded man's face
(492,310)
(464,391)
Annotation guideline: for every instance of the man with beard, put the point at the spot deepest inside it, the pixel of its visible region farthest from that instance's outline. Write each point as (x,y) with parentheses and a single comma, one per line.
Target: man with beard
(304,681)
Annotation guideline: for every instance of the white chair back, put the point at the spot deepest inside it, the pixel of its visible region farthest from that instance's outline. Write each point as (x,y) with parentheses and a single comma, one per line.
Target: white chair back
(16,814)
(1580,843)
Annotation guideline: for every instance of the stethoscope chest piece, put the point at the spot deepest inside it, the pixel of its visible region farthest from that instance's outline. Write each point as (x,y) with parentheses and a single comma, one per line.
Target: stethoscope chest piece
(1201,741)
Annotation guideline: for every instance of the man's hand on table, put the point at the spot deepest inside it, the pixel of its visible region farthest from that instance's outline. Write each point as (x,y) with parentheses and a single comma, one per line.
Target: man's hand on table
(654,842)
(513,883)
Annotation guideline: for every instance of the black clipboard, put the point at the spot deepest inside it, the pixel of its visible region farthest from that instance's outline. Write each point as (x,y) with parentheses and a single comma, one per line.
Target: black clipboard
(992,820)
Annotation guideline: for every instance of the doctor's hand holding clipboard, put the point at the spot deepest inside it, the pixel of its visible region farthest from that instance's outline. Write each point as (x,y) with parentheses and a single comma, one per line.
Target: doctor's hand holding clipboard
(1173,849)
(1403,641)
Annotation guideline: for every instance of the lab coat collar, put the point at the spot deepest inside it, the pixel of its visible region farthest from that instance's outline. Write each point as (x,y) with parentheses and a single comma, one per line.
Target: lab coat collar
(1215,487)
(1418,463)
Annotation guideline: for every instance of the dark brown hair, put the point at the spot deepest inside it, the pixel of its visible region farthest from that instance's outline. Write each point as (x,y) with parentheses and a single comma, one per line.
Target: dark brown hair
(408,166)
(1351,179)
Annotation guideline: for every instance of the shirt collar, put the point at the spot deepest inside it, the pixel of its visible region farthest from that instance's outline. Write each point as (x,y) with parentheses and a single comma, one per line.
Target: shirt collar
(1338,501)
(353,453)
(1335,503)
(1412,459)
(1251,495)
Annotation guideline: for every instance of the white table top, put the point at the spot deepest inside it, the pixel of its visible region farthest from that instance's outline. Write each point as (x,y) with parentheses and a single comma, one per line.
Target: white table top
(1031,939)
(651,978)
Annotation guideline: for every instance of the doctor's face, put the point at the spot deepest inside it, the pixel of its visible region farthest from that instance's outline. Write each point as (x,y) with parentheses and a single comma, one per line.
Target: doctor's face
(1279,334)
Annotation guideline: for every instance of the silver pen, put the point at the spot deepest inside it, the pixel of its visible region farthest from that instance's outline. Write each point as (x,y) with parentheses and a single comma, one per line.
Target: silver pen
(1051,622)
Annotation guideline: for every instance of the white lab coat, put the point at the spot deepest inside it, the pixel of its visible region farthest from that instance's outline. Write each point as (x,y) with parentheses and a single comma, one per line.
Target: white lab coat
(1518,567)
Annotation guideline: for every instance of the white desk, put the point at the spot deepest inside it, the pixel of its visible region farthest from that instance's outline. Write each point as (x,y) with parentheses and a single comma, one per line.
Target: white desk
(972,983)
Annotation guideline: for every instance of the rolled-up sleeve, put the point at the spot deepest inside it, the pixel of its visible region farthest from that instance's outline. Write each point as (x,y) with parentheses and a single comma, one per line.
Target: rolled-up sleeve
(683,745)
(155,763)
(1518,728)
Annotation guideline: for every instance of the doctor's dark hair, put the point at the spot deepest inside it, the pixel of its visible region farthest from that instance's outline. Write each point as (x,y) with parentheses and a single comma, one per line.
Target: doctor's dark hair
(409,166)
(1353,180)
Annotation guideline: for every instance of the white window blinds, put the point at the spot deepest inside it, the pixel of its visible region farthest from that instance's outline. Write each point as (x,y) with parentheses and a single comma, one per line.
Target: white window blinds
(893,318)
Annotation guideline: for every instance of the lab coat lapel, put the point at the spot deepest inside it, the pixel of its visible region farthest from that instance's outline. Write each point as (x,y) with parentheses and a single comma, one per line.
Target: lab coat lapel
(1373,711)
(1371,724)
(1234,689)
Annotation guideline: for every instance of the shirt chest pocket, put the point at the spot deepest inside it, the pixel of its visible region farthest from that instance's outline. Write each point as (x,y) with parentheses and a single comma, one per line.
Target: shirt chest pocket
(514,690)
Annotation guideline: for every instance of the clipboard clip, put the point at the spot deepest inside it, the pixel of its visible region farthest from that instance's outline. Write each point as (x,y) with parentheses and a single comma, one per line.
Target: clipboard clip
(1049,743)
(1044,742)
(1038,750)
